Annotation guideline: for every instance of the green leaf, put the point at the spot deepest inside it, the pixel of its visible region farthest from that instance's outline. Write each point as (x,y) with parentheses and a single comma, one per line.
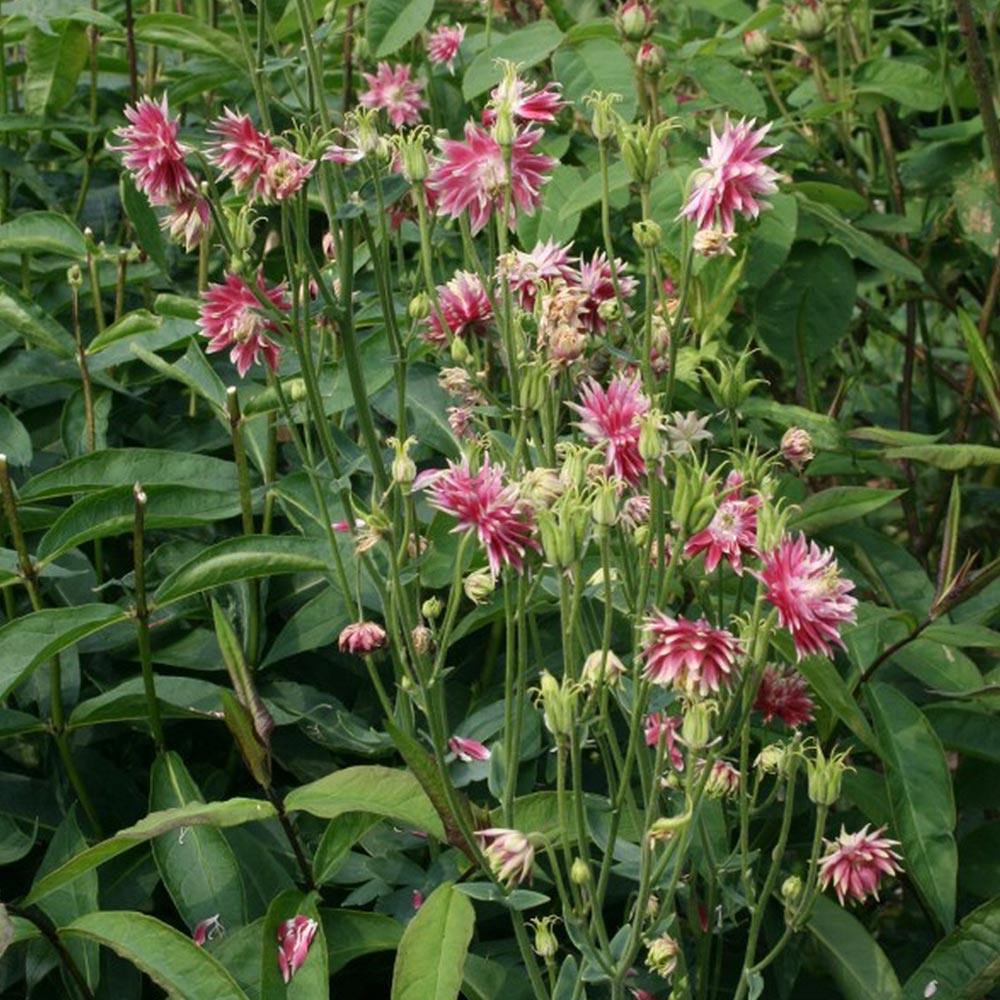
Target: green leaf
(550,222)
(432,952)
(351,934)
(315,625)
(597,64)
(855,961)
(140,213)
(528,46)
(169,958)
(20,315)
(141,322)
(311,981)
(54,64)
(966,964)
(978,861)
(179,698)
(231,812)
(937,667)
(15,441)
(771,240)
(192,370)
(909,84)
(969,729)
(838,505)
(29,641)
(42,232)
(341,835)
(384,791)
(947,456)
(119,466)
(244,558)
(390,24)
(190,35)
(920,794)
(197,865)
(730,86)
(827,683)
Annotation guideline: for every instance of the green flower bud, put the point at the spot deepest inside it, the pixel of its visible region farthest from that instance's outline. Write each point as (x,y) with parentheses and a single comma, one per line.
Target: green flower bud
(696,727)
(791,889)
(479,586)
(808,20)
(419,307)
(431,608)
(74,276)
(404,470)
(635,20)
(604,120)
(772,759)
(824,774)
(604,508)
(756,43)
(459,351)
(414,157)
(650,441)
(647,234)
(546,944)
(579,872)
(558,703)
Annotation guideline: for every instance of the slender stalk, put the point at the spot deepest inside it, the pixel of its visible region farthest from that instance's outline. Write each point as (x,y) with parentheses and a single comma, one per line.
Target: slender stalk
(50,932)
(81,360)
(305,868)
(142,619)
(133,66)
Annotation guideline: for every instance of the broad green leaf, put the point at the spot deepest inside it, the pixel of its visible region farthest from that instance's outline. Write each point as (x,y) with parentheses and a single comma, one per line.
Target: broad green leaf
(231,812)
(178,697)
(771,240)
(352,933)
(838,505)
(432,951)
(855,961)
(14,723)
(341,835)
(141,322)
(315,625)
(196,863)
(147,227)
(861,245)
(964,636)
(54,63)
(42,232)
(596,64)
(528,46)
(728,85)
(244,558)
(589,192)
(977,207)
(188,34)
(937,667)
(920,794)
(124,466)
(825,431)
(891,436)
(908,83)
(312,980)
(384,791)
(485,979)
(970,729)
(192,370)
(827,683)
(29,641)
(966,964)
(112,512)
(238,950)
(15,442)
(947,456)
(168,957)
(549,222)
(390,24)
(23,316)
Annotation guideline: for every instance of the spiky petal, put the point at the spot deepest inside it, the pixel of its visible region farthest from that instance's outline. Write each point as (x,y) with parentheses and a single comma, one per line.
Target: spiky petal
(362,638)
(526,103)
(657,727)
(294,937)
(690,656)
(510,854)
(856,862)
(468,750)
(391,89)
(784,696)
(444,43)
(464,309)
(732,533)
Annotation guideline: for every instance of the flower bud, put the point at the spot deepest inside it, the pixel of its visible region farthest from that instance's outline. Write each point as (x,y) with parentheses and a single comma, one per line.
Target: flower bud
(756,43)
(503,128)
(696,727)
(791,889)
(404,469)
(647,234)
(419,307)
(772,759)
(459,351)
(807,20)
(602,667)
(546,944)
(74,276)
(651,59)
(423,639)
(824,775)
(796,447)
(414,157)
(603,122)
(558,702)
(650,442)
(635,20)
(431,608)
(479,585)
(579,872)
(723,781)
(604,508)
(665,827)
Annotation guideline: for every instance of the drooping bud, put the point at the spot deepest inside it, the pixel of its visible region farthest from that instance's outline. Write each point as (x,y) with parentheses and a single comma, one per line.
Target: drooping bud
(713,243)
(602,667)
(423,639)
(772,759)
(791,889)
(647,234)
(479,586)
(579,872)
(431,608)
(796,447)
(420,307)
(756,43)
(808,19)
(723,781)
(509,853)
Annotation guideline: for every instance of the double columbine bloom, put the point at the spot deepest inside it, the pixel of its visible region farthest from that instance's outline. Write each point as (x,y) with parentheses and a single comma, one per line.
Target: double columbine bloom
(692,657)
(509,853)
(391,89)
(855,863)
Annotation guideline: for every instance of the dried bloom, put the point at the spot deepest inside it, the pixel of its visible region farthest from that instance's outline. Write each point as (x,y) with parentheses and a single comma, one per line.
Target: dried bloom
(595,278)
(526,103)
(732,533)
(471,176)
(784,696)
(612,418)
(662,955)
(813,599)
(562,336)
(713,243)
(723,781)
(232,316)
(602,668)
(690,656)
(294,937)
(284,174)
(444,43)
(856,862)
(732,177)
(464,308)
(189,221)
(685,430)
(635,512)
(482,503)
(153,155)
(208,930)
(796,447)
(509,853)
(523,272)
(540,487)
(657,727)
(391,89)
(362,638)
(459,419)
(468,750)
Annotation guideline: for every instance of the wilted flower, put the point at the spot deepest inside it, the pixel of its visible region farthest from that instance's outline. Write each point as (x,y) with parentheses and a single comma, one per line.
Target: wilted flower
(391,89)
(362,638)
(208,930)
(611,417)
(796,447)
(189,221)
(659,727)
(690,656)
(732,533)
(602,667)
(481,503)
(464,308)
(723,781)
(732,177)
(478,586)
(595,278)
(784,696)
(526,103)
(813,599)
(294,937)
(509,853)
(713,243)
(231,316)
(468,750)
(635,511)
(444,43)
(662,955)
(524,272)
(562,337)
(471,176)
(856,862)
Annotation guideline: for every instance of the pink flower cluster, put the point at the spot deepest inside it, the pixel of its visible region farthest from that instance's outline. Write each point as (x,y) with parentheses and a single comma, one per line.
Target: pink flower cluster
(784,696)
(443,45)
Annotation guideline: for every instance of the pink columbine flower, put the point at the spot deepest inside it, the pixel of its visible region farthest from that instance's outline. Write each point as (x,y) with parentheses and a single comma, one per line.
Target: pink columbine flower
(468,750)
(595,278)
(189,221)
(153,154)
(391,89)
(723,780)
(470,176)
(284,174)
(509,853)
(732,533)
(690,656)
(856,862)
(784,696)
(526,103)
(813,600)
(464,308)
(732,177)
(657,727)
(524,272)
(232,316)
(443,45)
(796,447)
(208,930)
(611,418)
(480,502)
(294,937)
(362,638)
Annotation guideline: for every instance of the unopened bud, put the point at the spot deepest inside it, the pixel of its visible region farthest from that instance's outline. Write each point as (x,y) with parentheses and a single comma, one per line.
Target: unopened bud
(756,43)
(546,944)
(404,470)
(479,586)
(431,608)
(579,872)
(74,276)
(459,351)
(696,727)
(651,59)
(796,447)
(423,639)
(635,20)
(650,441)
(807,20)
(791,889)
(824,775)
(419,307)
(647,234)
(558,703)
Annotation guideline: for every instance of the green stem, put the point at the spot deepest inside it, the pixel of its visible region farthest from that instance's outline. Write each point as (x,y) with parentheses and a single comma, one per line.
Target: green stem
(142,619)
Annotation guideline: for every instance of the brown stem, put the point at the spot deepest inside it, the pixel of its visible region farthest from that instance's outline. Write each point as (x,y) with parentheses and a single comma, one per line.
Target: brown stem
(133,67)
(979,74)
(49,931)
(893,650)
